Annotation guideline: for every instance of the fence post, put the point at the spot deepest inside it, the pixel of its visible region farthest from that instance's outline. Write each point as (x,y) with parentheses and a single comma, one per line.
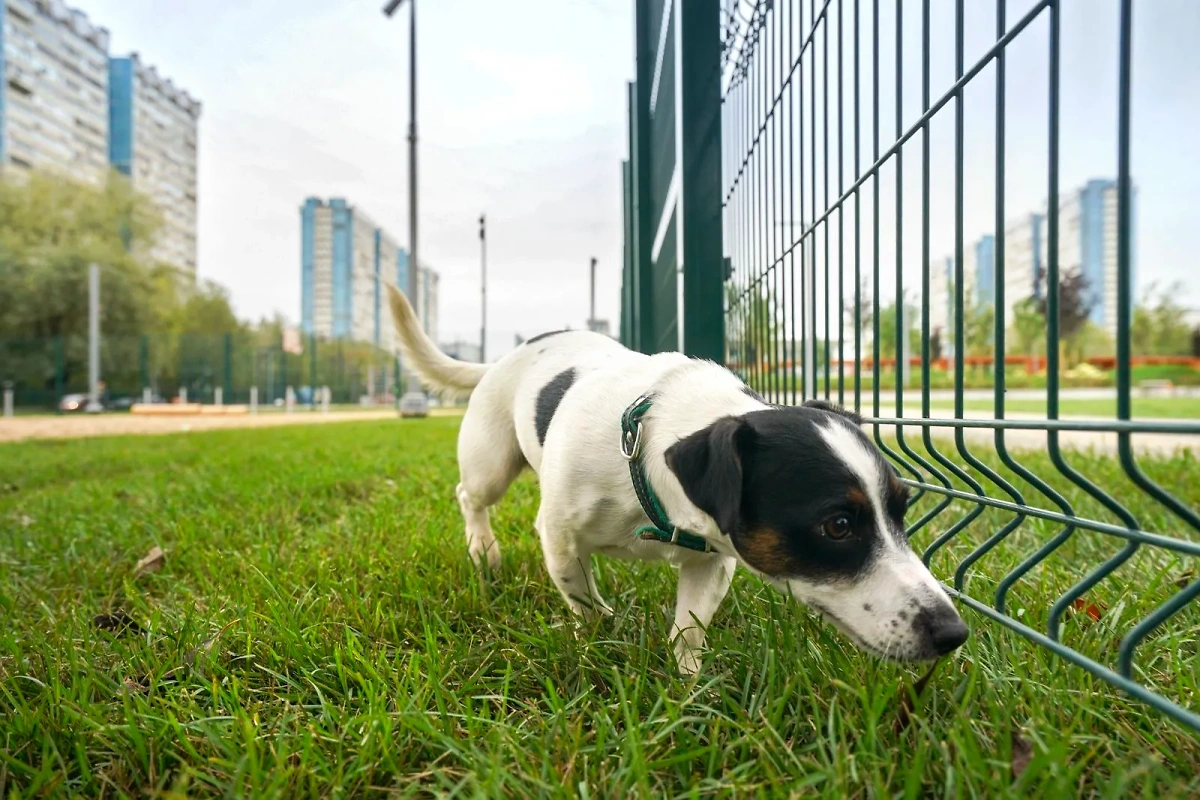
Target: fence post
(699,215)
(253,399)
(228,382)
(144,361)
(218,396)
(93,404)
(312,366)
(58,370)
(399,382)
(639,171)
(8,399)
(146,395)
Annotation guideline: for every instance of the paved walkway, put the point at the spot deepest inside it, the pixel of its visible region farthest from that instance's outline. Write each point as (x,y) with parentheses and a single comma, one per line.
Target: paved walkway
(1038,440)
(1074,393)
(71,427)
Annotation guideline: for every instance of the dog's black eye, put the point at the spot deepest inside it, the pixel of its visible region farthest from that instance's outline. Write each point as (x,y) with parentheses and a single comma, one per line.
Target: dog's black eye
(838,527)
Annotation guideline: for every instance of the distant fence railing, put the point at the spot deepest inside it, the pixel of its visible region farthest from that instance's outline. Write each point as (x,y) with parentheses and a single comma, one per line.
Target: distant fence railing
(41,371)
(827,116)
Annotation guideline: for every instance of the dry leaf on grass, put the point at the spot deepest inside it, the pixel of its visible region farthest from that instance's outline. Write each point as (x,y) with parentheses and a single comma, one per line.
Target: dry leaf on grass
(1022,754)
(151,562)
(908,698)
(1093,610)
(130,686)
(117,622)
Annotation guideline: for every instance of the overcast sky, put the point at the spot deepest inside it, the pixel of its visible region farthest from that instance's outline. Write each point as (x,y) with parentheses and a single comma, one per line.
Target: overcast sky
(522,108)
(522,115)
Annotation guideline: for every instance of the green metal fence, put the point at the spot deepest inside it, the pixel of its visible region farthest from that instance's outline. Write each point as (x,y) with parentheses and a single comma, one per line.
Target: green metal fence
(1065,530)
(672,280)
(41,371)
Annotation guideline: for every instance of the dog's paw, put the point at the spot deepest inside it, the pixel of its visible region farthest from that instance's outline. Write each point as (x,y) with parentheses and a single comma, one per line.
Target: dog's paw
(486,558)
(687,659)
(590,611)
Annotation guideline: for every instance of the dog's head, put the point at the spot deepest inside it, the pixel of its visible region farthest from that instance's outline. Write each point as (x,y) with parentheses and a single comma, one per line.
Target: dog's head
(811,504)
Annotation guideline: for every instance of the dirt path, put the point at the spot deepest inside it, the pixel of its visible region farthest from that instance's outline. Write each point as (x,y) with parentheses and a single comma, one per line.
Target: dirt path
(73,427)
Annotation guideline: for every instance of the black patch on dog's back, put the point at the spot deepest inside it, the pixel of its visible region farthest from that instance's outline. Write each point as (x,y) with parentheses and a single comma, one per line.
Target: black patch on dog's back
(548,399)
(541,336)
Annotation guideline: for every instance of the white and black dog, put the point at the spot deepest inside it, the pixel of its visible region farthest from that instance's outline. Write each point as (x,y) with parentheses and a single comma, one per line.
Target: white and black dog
(668,457)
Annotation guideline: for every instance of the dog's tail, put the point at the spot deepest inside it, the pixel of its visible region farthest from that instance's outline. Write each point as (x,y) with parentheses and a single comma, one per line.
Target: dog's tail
(445,375)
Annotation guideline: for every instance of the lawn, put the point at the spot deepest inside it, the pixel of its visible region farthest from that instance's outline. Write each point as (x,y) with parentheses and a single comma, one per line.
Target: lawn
(316,629)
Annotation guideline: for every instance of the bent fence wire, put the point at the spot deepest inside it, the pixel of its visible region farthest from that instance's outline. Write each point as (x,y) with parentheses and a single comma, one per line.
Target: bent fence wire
(841,174)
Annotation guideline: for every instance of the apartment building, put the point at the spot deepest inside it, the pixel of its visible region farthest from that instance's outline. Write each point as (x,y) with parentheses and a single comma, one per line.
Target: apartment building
(1087,243)
(66,106)
(53,89)
(345,260)
(153,140)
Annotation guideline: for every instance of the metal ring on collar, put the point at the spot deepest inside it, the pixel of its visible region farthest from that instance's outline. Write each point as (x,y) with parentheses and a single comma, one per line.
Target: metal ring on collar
(631,442)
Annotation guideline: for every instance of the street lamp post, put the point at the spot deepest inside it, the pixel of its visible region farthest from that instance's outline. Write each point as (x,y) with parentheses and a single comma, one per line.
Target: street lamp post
(483,288)
(389,10)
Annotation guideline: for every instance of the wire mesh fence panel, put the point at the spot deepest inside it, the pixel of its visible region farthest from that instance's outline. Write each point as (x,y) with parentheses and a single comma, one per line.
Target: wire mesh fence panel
(900,240)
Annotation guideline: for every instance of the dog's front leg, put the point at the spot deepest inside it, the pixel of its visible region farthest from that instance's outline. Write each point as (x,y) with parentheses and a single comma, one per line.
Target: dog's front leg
(570,568)
(703,582)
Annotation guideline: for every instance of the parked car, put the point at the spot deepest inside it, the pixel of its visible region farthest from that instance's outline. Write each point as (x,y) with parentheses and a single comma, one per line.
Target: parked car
(73,402)
(414,404)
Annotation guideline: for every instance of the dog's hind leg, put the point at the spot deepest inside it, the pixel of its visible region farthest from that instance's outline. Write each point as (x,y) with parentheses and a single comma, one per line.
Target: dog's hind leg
(489,460)
(703,582)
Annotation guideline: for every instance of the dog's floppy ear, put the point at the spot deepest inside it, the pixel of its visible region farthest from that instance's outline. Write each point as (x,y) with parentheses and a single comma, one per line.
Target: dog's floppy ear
(708,464)
(834,408)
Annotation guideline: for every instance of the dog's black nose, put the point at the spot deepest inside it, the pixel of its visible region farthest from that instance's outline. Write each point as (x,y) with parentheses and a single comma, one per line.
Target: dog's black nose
(945,629)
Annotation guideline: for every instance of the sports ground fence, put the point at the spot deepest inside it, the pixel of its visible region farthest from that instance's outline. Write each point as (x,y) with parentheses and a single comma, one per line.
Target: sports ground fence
(40,371)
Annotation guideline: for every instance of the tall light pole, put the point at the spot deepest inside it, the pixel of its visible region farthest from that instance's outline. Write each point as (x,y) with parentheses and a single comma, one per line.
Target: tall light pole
(389,10)
(483,288)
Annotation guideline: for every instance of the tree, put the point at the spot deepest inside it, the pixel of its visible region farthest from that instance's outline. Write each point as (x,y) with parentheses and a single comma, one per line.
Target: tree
(1075,303)
(865,317)
(978,321)
(754,325)
(935,344)
(1160,325)
(51,229)
(1028,326)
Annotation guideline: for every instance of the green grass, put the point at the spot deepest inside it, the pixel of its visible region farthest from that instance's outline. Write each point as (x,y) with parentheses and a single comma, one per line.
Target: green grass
(1143,407)
(316,629)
